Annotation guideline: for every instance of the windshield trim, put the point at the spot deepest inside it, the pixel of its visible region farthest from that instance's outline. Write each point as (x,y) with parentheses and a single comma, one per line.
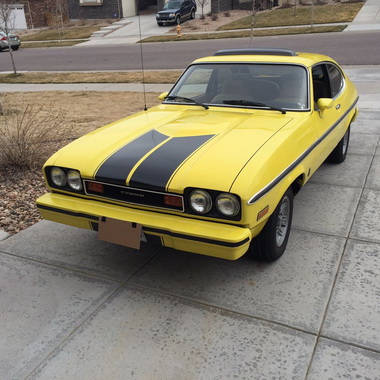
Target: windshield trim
(306,68)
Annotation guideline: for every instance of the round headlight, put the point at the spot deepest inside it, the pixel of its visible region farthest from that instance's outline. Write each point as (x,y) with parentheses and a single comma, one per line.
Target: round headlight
(58,176)
(200,201)
(74,180)
(227,204)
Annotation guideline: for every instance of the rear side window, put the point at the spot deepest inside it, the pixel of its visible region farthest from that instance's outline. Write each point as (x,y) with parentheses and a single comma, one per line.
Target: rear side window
(336,79)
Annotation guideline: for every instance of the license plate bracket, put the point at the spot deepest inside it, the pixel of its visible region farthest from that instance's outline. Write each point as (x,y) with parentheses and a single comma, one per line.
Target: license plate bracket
(127,234)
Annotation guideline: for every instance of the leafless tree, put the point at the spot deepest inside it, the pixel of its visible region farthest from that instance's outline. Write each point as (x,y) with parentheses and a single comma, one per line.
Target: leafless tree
(7,23)
(256,5)
(202,4)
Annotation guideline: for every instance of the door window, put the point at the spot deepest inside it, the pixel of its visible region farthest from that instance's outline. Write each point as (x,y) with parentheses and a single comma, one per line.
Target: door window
(336,79)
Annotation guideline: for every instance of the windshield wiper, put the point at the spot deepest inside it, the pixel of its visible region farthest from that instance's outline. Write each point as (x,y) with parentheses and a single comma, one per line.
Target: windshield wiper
(177,97)
(243,102)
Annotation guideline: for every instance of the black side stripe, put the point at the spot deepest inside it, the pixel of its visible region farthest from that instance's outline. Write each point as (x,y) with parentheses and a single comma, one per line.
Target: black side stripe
(155,171)
(282,175)
(118,166)
(148,229)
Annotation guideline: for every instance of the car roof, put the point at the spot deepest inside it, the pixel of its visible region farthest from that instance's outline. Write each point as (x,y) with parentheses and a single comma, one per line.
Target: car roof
(265,56)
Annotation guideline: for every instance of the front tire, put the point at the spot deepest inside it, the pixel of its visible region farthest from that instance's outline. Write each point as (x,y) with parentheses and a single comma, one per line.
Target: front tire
(178,20)
(339,154)
(14,47)
(271,243)
(192,15)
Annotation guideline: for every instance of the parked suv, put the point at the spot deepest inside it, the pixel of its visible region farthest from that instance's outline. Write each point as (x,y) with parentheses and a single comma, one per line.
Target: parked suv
(175,11)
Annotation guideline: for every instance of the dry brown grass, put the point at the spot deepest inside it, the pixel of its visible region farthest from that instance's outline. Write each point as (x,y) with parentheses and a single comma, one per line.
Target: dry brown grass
(55,118)
(161,76)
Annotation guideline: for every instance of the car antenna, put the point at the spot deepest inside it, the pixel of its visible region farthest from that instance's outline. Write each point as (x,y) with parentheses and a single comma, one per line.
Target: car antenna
(142,64)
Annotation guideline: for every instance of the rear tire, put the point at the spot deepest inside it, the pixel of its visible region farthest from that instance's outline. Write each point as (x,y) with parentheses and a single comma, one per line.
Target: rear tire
(339,154)
(14,47)
(271,243)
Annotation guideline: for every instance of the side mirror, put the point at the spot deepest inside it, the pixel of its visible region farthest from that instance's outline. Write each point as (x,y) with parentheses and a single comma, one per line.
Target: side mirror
(324,104)
(163,96)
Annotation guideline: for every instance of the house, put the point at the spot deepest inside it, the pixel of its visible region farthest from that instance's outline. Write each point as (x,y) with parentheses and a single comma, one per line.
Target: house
(30,14)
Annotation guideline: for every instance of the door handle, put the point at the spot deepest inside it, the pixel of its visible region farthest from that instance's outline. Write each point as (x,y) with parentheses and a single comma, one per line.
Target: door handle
(337,106)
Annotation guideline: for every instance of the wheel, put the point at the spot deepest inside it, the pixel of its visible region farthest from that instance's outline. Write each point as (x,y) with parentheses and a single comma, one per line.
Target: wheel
(14,47)
(271,243)
(339,154)
(192,15)
(178,20)
(1,49)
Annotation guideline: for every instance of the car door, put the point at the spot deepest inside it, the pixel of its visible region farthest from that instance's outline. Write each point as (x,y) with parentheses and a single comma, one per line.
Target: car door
(186,9)
(328,83)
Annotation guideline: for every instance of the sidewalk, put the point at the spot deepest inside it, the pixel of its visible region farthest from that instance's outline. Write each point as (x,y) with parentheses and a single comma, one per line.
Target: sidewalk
(111,87)
(74,307)
(368,17)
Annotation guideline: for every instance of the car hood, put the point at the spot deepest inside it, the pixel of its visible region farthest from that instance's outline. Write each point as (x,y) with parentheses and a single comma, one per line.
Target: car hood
(169,148)
(167,11)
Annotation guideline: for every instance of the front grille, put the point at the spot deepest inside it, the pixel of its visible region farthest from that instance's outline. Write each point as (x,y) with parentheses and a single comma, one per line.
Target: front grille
(134,196)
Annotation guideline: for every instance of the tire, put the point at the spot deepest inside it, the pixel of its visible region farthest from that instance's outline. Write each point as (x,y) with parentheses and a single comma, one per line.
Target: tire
(1,49)
(339,154)
(160,24)
(14,47)
(178,20)
(192,14)
(271,243)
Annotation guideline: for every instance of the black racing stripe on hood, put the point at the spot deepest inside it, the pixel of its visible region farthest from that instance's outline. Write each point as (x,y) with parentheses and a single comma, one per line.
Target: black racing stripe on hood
(155,171)
(116,168)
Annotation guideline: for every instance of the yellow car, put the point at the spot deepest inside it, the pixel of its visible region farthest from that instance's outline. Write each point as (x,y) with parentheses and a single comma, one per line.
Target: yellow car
(214,168)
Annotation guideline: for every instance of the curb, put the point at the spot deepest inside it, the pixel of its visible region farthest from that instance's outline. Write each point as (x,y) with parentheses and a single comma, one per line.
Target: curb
(3,235)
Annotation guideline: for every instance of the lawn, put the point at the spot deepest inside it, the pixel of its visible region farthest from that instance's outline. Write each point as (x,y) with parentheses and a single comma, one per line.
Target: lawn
(321,14)
(162,76)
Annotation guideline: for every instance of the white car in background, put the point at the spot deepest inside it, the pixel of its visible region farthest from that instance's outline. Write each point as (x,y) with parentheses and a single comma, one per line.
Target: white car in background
(14,41)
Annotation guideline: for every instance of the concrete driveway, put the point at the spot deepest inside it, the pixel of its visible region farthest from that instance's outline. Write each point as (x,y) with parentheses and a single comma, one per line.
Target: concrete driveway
(128,31)
(73,307)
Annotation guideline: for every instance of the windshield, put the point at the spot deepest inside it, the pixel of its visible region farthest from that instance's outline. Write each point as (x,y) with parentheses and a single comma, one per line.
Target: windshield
(281,86)
(172,5)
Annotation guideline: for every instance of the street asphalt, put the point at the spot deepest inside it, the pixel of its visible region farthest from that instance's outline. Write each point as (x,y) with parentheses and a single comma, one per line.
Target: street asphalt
(73,307)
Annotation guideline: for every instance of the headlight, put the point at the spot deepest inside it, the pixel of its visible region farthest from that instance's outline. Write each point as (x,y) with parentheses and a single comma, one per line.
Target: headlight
(227,204)
(58,176)
(74,180)
(172,15)
(200,201)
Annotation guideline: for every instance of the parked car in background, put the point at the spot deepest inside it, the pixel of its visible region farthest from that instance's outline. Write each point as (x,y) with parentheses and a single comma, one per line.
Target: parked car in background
(215,167)
(176,11)
(14,41)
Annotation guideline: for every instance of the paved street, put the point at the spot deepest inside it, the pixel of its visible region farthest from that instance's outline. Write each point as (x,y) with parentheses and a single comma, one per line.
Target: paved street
(76,307)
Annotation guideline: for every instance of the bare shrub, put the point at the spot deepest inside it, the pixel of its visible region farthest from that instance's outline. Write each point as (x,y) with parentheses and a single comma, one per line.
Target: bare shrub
(227,14)
(28,136)
(214,17)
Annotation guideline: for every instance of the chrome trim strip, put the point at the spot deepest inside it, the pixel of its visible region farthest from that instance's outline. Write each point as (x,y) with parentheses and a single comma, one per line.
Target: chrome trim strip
(284,173)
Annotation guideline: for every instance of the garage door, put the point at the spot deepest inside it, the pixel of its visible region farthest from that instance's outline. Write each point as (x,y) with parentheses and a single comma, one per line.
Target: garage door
(19,17)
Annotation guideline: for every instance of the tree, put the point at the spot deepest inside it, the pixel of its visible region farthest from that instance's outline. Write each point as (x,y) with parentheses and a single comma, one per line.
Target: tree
(256,6)
(7,23)
(202,4)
